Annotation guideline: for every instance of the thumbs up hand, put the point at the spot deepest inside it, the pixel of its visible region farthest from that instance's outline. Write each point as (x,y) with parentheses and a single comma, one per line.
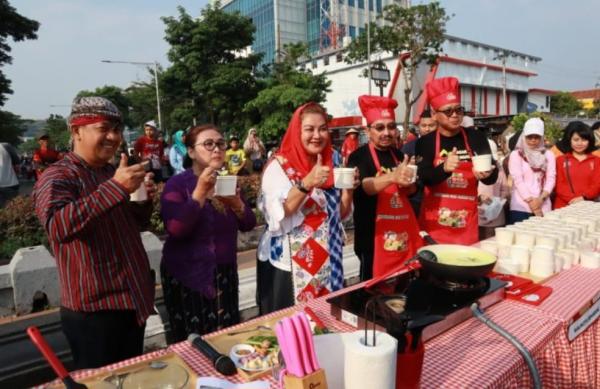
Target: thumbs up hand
(403,174)
(318,174)
(130,177)
(452,161)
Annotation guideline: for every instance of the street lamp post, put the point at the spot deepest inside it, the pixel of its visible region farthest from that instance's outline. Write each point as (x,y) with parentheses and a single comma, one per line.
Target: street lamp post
(155,69)
(380,75)
(369,42)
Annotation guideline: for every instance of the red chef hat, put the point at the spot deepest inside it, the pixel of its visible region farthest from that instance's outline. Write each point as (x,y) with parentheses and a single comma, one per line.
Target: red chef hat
(375,107)
(443,91)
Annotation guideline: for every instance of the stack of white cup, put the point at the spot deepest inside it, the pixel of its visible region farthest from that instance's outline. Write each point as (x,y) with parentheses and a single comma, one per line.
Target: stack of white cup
(546,245)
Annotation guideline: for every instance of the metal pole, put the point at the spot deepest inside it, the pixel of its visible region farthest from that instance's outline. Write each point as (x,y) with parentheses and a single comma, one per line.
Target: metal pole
(157,95)
(369,42)
(504,84)
(155,68)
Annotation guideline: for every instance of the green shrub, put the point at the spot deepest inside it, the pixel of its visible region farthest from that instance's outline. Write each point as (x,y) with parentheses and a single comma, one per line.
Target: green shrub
(553,130)
(19,226)
(250,187)
(156,224)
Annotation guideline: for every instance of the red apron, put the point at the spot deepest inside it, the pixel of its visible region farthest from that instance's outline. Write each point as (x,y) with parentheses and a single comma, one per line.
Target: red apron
(449,209)
(396,230)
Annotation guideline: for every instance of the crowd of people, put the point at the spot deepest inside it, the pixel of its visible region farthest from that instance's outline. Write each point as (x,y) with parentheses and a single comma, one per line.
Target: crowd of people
(397,193)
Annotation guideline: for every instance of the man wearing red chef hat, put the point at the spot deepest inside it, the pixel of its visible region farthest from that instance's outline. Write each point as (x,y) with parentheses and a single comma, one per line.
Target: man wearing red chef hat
(449,208)
(386,232)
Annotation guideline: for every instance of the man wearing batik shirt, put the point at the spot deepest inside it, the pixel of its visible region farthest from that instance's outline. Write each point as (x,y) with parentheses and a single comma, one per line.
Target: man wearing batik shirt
(150,147)
(107,291)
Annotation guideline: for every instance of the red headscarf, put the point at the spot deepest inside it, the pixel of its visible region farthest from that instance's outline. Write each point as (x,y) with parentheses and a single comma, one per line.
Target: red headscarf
(85,120)
(292,149)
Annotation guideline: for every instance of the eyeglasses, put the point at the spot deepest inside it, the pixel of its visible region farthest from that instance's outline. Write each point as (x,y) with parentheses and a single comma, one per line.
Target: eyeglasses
(210,144)
(451,111)
(389,126)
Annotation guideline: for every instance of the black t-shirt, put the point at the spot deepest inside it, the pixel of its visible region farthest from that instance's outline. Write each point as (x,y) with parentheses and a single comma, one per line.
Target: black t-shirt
(365,206)
(425,150)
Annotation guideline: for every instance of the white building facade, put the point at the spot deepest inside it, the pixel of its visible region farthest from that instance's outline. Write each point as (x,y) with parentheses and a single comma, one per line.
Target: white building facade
(484,72)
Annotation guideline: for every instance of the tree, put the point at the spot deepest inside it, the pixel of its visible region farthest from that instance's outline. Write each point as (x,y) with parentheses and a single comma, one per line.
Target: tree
(11,127)
(563,103)
(210,80)
(56,127)
(418,31)
(286,88)
(18,28)
(552,129)
(142,99)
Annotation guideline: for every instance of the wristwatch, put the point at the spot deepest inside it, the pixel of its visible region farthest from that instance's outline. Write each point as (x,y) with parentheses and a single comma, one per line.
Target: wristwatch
(300,186)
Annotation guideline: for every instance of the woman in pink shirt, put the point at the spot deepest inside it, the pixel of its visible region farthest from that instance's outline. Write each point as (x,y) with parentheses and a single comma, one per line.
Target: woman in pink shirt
(533,170)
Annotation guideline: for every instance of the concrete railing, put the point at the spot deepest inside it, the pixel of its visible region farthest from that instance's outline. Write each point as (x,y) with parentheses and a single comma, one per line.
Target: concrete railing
(34,270)
(32,275)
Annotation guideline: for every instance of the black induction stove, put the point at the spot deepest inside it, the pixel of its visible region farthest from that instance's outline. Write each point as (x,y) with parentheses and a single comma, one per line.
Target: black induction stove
(423,296)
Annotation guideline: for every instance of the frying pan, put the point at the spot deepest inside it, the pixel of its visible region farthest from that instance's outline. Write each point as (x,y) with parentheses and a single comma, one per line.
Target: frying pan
(471,262)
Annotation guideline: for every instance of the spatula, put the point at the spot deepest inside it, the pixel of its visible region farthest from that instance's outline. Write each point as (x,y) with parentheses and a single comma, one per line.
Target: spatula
(36,337)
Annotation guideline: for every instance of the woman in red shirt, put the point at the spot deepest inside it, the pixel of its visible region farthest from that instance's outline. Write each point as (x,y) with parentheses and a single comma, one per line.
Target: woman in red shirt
(577,170)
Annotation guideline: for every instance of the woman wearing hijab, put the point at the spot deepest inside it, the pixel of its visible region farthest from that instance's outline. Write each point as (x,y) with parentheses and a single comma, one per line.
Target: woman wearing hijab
(533,170)
(255,150)
(300,253)
(577,170)
(199,263)
(178,152)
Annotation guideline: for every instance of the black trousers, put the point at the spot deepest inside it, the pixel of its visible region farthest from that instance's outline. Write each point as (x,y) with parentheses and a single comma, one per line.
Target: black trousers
(103,337)
(366,263)
(274,288)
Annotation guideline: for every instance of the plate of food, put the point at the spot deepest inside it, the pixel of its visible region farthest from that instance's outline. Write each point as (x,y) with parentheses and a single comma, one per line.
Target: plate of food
(257,353)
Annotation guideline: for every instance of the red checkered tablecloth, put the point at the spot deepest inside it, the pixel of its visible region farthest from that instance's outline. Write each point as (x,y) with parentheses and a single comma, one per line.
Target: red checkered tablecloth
(572,290)
(471,354)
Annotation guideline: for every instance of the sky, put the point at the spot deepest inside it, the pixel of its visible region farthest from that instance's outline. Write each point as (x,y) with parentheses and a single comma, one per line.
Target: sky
(75,35)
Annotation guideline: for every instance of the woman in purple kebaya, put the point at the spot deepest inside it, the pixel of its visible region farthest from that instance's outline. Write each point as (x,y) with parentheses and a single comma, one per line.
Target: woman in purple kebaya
(199,263)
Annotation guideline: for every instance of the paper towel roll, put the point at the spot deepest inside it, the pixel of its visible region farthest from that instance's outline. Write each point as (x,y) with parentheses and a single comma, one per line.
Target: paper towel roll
(368,366)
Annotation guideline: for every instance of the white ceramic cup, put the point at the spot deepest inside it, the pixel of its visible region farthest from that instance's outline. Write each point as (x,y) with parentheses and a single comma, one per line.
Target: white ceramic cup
(545,240)
(504,236)
(506,266)
(525,239)
(542,262)
(504,251)
(587,244)
(520,254)
(414,170)
(140,194)
(590,259)
(343,177)
(567,258)
(482,163)
(490,246)
(225,185)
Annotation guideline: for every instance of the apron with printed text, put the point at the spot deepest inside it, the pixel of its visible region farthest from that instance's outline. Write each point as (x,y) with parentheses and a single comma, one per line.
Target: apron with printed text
(449,210)
(396,229)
